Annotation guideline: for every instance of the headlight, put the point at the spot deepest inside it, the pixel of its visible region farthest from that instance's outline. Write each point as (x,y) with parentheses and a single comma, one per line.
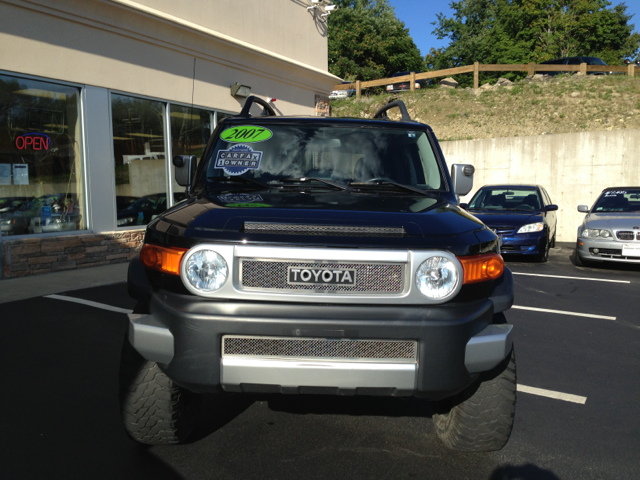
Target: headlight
(596,233)
(205,270)
(437,277)
(532,227)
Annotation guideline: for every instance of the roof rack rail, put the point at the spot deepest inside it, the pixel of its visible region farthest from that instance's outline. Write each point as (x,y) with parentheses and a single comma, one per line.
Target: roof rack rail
(267,110)
(382,113)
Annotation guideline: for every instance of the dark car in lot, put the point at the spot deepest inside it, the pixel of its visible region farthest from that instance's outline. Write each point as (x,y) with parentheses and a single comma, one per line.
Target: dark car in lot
(576,61)
(406,85)
(144,209)
(522,215)
(320,255)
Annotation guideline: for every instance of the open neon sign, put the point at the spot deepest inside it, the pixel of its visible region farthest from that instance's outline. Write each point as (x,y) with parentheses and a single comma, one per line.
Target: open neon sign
(35,141)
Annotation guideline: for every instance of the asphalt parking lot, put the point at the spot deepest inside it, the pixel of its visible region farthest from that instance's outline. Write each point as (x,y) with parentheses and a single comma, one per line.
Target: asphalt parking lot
(577,332)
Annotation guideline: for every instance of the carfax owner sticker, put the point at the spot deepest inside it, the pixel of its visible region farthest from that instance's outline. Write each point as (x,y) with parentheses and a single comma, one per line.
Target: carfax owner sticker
(238,159)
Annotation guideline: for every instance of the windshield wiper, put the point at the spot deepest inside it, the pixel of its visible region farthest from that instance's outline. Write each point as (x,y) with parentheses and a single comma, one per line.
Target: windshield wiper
(237,178)
(373,183)
(314,179)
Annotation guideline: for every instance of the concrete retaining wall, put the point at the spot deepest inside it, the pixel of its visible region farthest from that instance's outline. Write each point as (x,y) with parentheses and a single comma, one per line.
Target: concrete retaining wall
(573,167)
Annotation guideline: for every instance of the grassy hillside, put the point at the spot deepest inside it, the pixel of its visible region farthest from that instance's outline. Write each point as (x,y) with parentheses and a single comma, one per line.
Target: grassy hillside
(561,104)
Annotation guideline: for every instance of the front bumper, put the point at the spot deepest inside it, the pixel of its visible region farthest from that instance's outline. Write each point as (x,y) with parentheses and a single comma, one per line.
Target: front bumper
(524,244)
(455,342)
(607,251)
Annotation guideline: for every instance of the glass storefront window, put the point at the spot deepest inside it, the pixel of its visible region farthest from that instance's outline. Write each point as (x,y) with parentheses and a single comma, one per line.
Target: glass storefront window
(41,181)
(140,159)
(190,132)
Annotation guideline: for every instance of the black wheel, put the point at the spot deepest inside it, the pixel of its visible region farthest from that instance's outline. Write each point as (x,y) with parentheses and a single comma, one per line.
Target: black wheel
(544,256)
(154,409)
(480,418)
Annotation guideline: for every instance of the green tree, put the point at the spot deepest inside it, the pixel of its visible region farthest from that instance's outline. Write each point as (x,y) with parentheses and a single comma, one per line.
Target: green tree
(366,41)
(522,31)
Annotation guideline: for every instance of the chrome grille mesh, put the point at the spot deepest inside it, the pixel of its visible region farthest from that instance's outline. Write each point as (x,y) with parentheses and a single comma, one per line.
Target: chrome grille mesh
(320,348)
(334,230)
(370,277)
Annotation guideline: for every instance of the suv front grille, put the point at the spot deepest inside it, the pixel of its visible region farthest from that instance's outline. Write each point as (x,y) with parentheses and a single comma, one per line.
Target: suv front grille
(320,348)
(370,278)
(333,230)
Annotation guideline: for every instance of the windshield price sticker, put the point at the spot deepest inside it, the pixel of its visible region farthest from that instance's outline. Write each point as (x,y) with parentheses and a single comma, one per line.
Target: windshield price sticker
(238,159)
(246,134)
(615,193)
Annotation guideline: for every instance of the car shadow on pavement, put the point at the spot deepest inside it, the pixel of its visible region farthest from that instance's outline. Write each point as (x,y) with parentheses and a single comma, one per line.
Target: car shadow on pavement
(352,406)
(217,411)
(59,409)
(522,472)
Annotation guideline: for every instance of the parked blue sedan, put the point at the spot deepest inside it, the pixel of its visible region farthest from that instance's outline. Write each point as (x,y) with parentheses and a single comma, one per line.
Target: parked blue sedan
(522,215)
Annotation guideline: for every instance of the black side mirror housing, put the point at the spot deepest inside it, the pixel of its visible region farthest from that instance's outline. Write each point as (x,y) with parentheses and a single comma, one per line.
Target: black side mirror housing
(550,208)
(185,171)
(464,206)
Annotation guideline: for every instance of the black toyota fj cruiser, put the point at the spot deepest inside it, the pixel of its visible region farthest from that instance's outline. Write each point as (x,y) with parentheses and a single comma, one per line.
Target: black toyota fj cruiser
(320,255)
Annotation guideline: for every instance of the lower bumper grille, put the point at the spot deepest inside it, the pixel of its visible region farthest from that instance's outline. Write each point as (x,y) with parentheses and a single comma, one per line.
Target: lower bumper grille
(400,351)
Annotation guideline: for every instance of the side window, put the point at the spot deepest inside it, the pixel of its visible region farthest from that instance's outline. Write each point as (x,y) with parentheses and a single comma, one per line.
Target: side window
(574,61)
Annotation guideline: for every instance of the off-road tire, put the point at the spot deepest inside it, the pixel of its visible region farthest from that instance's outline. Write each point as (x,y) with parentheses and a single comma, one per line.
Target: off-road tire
(480,418)
(154,409)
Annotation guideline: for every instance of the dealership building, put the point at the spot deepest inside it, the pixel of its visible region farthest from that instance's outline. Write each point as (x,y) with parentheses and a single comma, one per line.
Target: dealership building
(96,97)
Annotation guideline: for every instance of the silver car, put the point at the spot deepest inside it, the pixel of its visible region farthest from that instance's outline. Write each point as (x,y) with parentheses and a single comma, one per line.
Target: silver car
(611,230)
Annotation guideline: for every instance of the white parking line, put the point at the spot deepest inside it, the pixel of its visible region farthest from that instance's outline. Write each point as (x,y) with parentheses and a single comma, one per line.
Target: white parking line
(103,306)
(567,397)
(572,278)
(562,312)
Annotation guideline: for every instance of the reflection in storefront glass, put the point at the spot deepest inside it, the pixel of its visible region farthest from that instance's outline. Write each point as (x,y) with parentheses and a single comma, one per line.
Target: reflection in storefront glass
(190,132)
(41,188)
(139,150)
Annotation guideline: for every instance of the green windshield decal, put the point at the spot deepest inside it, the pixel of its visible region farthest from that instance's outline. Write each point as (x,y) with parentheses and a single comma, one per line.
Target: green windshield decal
(246,134)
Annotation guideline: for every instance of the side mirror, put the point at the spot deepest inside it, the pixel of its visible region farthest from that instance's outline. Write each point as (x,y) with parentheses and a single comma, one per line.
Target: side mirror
(550,208)
(462,177)
(583,208)
(464,206)
(185,169)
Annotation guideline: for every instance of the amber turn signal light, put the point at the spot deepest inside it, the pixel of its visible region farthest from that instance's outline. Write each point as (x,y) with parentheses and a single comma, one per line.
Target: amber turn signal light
(482,268)
(165,260)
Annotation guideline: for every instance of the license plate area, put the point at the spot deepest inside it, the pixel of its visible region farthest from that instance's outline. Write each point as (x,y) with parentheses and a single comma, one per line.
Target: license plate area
(631,250)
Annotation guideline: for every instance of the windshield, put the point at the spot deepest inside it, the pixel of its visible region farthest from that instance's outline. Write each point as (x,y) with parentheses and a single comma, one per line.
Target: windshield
(626,200)
(525,199)
(340,155)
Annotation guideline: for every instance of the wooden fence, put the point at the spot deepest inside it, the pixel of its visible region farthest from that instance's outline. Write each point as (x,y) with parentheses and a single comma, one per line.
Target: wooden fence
(476,68)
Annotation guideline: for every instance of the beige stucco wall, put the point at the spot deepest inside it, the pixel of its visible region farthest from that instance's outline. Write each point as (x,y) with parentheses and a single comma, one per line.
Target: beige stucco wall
(573,167)
(115,45)
(281,26)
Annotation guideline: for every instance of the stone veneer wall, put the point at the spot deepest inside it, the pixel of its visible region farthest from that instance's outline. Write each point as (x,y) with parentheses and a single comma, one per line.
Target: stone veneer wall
(33,256)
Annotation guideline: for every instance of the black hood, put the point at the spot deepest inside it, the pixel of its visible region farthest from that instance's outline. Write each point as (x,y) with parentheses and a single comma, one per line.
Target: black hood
(423,221)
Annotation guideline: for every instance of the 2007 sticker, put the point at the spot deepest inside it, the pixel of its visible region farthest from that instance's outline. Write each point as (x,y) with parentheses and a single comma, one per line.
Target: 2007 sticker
(238,159)
(246,134)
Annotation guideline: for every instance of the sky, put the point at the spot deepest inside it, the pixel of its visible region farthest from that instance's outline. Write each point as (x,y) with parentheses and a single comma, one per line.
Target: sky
(418,15)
